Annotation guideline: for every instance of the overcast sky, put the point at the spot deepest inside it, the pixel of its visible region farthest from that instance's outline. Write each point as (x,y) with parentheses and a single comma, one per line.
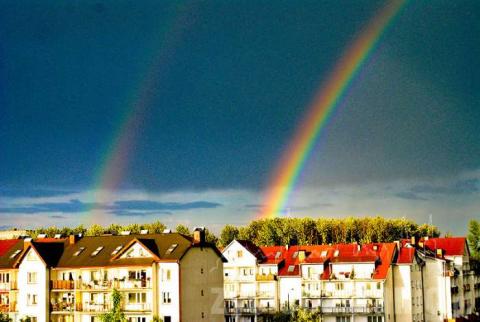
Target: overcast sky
(224,86)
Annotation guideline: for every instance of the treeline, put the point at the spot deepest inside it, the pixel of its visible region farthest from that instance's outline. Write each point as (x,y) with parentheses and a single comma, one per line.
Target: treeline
(309,231)
(280,231)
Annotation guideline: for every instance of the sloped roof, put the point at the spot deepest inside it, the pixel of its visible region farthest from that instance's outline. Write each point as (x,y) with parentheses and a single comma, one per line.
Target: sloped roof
(313,254)
(156,243)
(453,246)
(270,254)
(252,248)
(406,255)
(8,247)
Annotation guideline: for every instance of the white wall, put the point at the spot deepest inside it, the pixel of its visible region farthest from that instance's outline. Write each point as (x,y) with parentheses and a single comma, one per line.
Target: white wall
(32,263)
(290,290)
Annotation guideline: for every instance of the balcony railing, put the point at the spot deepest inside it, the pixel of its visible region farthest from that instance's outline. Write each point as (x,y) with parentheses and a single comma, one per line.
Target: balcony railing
(6,308)
(266,294)
(104,284)
(267,277)
(137,307)
(351,310)
(95,307)
(62,285)
(12,285)
(240,310)
(62,307)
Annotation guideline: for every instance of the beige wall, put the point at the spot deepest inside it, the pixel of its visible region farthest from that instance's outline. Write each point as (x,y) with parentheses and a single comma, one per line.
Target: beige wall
(201,269)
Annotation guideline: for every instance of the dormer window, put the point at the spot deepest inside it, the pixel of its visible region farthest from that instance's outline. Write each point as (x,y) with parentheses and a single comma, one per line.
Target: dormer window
(15,253)
(295,254)
(291,268)
(171,249)
(116,250)
(324,253)
(277,255)
(79,251)
(96,251)
(336,253)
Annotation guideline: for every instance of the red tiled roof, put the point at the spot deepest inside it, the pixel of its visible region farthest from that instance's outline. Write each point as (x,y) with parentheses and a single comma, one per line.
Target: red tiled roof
(6,244)
(270,254)
(312,255)
(49,240)
(406,255)
(453,246)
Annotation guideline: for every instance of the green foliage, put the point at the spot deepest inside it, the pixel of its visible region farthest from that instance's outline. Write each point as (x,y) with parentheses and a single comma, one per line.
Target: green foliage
(116,314)
(474,238)
(228,234)
(182,229)
(156,318)
(26,319)
(210,237)
(94,230)
(304,315)
(282,231)
(155,227)
(5,318)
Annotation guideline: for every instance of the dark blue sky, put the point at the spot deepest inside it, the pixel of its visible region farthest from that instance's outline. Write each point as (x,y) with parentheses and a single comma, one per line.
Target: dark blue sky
(230,83)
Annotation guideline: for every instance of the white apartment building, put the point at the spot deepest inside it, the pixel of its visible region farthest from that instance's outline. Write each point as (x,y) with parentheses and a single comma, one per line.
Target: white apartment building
(169,275)
(250,281)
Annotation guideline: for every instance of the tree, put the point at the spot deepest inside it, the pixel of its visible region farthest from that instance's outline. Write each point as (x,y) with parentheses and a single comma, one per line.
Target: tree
(210,237)
(474,238)
(94,230)
(5,318)
(305,315)
(155,227)
(182,229)
(116,314)
(228,233)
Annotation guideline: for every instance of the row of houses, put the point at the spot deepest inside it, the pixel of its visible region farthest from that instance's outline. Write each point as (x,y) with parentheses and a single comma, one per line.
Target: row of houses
(181,278)
(169,276)
(411,280)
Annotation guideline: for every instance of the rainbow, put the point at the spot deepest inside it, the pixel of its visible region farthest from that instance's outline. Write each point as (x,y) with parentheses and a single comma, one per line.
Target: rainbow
(327,99)
(115,160)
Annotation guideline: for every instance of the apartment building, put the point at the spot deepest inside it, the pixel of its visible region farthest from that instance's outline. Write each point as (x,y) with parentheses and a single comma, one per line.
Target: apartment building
(9,251)
(250,281)
(174,277)
(409,280)
(461,277)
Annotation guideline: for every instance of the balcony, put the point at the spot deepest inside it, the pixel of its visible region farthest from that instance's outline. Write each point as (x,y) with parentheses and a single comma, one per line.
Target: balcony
(94,285)
(95,307)
(351,310)
(132,283)
(267,277)
(8,308)
(62,307)
(266,310)
(266,294)
(240,311)
(312,294)
(9,286)
(62,285)
(137,307)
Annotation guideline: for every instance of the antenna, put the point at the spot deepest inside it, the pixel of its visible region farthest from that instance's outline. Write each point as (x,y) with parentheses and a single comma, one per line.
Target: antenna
(430,223)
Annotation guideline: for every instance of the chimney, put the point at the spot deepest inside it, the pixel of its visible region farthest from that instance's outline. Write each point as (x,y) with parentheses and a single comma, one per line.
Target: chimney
(412,241)
(72,239)
(286,247)
(440,252)
(425,238)
(26,243)
(199,235)
(397,244)
(301,256)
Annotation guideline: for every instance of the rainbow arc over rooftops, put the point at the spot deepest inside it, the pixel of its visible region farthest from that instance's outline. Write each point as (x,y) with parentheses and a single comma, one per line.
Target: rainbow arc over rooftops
(326,100)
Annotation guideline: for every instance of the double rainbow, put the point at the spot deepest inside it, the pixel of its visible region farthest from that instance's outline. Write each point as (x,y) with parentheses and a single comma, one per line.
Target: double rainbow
(293,159)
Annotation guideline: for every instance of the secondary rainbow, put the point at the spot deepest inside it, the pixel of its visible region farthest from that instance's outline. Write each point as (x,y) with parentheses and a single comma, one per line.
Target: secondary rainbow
(117,155)
(327,99)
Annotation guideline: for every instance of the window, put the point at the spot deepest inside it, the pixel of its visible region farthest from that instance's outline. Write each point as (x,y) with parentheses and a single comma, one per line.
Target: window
(167,318)
(31,277)
(375,319)
(339,286)
(15,253)
(324,253)
(291,268)
(137,319)
(239,254)
(79,251)
(32,299)
(336,253)
(116,250)
(171,249)
(201,293)
(169,275)
(277,255)
(137,298)
(342,319)
(379,286)
(4,277)
(201,270)
(96,251)
(295,254)
(166,297)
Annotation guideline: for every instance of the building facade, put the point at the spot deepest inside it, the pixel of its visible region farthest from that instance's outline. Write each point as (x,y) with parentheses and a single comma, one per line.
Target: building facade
(169,275)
